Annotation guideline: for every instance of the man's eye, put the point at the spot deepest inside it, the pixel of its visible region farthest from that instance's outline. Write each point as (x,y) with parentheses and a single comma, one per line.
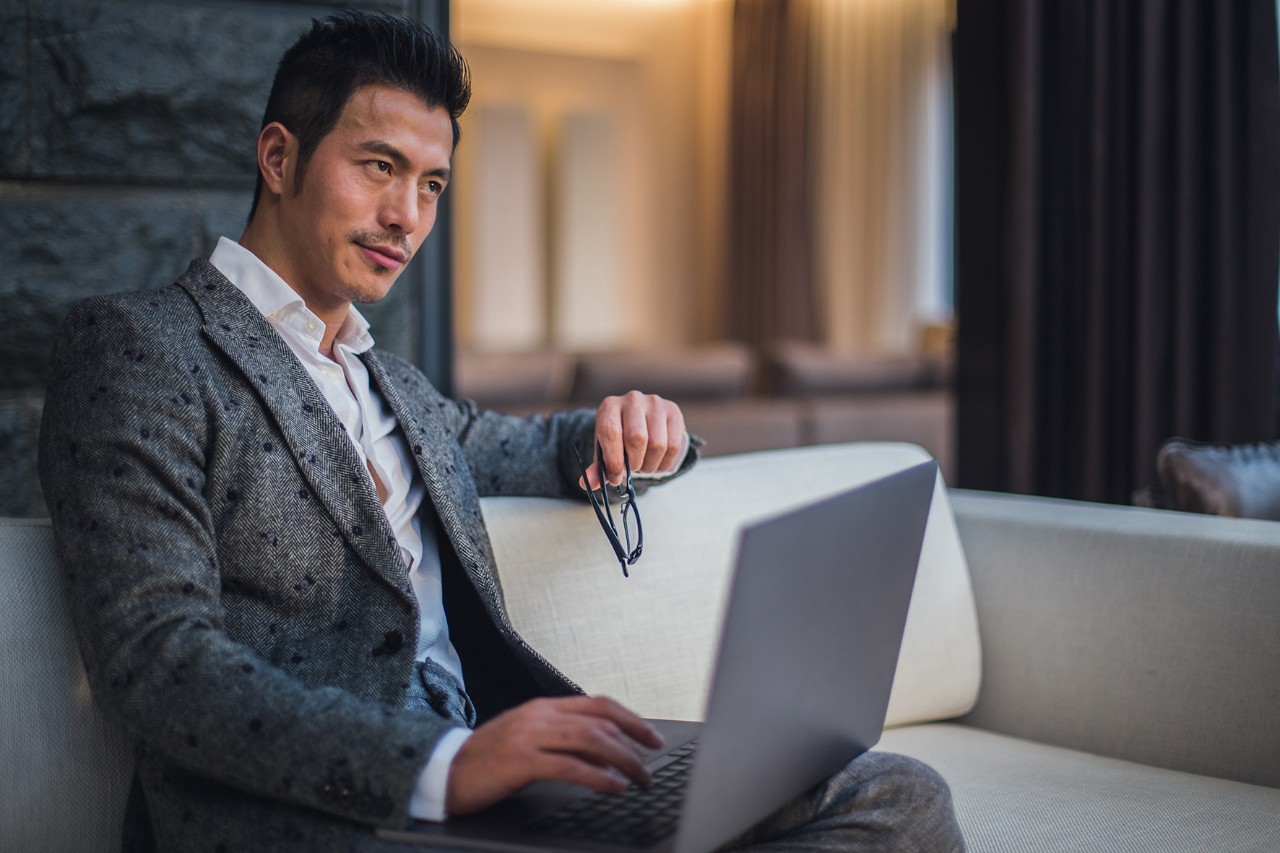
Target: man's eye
(382,166)
(435,187)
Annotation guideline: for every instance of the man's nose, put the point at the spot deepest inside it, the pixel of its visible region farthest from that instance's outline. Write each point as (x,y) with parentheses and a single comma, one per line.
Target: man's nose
(400,208)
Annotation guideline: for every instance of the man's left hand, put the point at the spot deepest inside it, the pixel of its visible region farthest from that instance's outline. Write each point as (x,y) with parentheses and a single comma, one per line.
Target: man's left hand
(650,428)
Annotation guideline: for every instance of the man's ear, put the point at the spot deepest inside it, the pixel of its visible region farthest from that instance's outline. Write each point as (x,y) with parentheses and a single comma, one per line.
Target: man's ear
(277,157)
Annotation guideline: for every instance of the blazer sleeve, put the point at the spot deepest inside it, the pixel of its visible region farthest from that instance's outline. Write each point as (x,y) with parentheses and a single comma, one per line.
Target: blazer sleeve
(125,442)
(534,456)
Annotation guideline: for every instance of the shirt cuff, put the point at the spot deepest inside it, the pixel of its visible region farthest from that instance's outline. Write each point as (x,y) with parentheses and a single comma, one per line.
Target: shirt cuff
(658,475)
(427,802)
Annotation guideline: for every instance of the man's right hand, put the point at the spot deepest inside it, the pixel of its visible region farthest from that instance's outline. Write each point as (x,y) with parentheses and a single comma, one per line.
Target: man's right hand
(584,740)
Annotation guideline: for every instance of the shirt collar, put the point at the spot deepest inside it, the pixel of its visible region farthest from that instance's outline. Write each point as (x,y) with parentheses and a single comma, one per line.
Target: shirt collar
(279,302)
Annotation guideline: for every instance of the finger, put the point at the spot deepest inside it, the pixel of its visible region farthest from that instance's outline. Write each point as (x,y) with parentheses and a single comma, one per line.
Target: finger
(593,478)
(635,428)
(661,439)
(601,743)
(677,444)
(541,739)
(632,724)
(561,727)
(608,428)
(562,767)
(655,448)
(609,433)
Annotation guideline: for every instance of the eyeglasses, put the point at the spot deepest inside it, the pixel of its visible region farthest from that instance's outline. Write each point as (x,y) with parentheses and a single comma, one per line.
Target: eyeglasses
(627,494)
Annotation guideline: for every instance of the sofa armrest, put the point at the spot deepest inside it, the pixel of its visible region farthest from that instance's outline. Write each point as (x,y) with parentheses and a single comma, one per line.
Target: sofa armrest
(1146,635)
(64,769)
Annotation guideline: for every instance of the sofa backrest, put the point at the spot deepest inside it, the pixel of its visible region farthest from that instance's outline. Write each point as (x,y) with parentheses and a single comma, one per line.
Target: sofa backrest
(65,772)
(649,640)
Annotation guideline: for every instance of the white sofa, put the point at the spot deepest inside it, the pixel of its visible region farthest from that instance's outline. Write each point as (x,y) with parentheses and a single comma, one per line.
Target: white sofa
(1086,677)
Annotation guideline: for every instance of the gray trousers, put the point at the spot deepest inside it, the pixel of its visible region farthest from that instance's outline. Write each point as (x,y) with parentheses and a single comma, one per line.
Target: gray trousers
(880,801)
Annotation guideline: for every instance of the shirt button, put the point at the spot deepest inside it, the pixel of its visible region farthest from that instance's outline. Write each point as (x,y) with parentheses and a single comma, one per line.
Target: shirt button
(311,325)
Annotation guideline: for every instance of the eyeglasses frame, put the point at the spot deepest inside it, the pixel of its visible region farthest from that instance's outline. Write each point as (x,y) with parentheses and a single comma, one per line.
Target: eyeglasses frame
(626,555)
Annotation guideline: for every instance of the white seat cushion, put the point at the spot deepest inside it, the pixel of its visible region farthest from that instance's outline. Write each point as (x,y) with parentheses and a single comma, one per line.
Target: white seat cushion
(649,640)
(1017,795)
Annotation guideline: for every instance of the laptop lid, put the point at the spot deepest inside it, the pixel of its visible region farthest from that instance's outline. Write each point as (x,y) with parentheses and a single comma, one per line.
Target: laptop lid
(808,651)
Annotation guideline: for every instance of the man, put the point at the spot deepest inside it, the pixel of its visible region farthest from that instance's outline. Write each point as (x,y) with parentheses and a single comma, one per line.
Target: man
(276,559)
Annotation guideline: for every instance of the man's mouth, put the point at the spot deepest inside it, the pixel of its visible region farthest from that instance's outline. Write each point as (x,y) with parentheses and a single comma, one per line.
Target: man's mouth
(384,255)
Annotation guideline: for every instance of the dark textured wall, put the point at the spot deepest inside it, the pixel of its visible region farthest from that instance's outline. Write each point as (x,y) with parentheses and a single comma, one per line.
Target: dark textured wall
(127,132)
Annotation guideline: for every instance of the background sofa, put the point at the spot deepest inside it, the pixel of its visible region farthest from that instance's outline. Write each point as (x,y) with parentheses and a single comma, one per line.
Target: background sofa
(1086,677)
(793,394)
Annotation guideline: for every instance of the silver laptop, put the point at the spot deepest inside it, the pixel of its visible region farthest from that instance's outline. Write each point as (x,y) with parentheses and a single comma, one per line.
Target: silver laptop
(805,666)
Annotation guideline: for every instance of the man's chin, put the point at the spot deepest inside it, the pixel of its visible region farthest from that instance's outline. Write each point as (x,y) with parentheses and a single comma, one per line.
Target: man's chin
(370,294)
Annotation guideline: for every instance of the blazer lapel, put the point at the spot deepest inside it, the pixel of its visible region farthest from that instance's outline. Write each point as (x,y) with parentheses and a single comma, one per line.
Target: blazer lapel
(444,472)
(310,428)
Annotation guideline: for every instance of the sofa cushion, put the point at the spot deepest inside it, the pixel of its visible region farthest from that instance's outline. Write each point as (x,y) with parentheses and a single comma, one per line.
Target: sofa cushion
(65,772)
(649,640)
(802,369)
(925,418)
(1017,795)
(741,426)
(716,372)
(506,381)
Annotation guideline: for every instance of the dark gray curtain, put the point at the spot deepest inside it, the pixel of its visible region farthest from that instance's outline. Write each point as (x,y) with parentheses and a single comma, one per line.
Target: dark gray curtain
(1118,237)
(769,292)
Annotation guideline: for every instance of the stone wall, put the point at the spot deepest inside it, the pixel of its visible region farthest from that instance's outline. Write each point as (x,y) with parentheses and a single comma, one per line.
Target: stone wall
(127,133)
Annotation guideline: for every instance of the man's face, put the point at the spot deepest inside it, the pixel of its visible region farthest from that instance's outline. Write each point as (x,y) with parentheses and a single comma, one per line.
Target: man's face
(368,198)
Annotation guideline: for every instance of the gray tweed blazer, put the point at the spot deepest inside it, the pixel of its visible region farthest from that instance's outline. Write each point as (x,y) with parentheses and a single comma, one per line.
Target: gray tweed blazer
(242,608)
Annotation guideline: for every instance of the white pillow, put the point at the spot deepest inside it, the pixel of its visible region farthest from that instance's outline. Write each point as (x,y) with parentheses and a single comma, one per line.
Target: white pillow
(649,640)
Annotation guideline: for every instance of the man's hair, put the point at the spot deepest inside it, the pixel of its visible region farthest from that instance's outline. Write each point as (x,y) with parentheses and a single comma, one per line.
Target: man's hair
(343,52)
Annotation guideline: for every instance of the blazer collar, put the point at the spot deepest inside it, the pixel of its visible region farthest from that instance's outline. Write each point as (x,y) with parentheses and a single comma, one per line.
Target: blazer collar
(309,426)
(444,472)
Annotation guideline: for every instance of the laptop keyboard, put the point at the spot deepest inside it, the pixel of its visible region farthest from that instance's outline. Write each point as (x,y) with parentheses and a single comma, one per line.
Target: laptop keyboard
(636,817)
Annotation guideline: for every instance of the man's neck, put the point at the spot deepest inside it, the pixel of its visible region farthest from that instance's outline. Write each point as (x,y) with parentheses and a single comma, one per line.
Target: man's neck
(257,239)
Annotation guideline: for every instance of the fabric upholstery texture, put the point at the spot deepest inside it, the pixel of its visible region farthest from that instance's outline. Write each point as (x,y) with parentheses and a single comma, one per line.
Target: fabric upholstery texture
(1143,634)
(1086,802)
(651,639)
(57,755)
(1238,480)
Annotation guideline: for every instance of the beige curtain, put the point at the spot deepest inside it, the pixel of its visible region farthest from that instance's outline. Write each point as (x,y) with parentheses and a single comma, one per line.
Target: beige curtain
(879,119)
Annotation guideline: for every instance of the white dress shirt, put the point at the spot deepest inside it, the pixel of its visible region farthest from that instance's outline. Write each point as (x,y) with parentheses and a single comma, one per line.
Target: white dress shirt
(372,428)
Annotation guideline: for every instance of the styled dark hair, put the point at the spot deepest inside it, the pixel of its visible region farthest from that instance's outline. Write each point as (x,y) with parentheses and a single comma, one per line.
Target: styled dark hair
(342,52)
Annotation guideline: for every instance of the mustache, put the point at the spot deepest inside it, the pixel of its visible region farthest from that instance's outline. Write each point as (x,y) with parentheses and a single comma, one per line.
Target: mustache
(384,238)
